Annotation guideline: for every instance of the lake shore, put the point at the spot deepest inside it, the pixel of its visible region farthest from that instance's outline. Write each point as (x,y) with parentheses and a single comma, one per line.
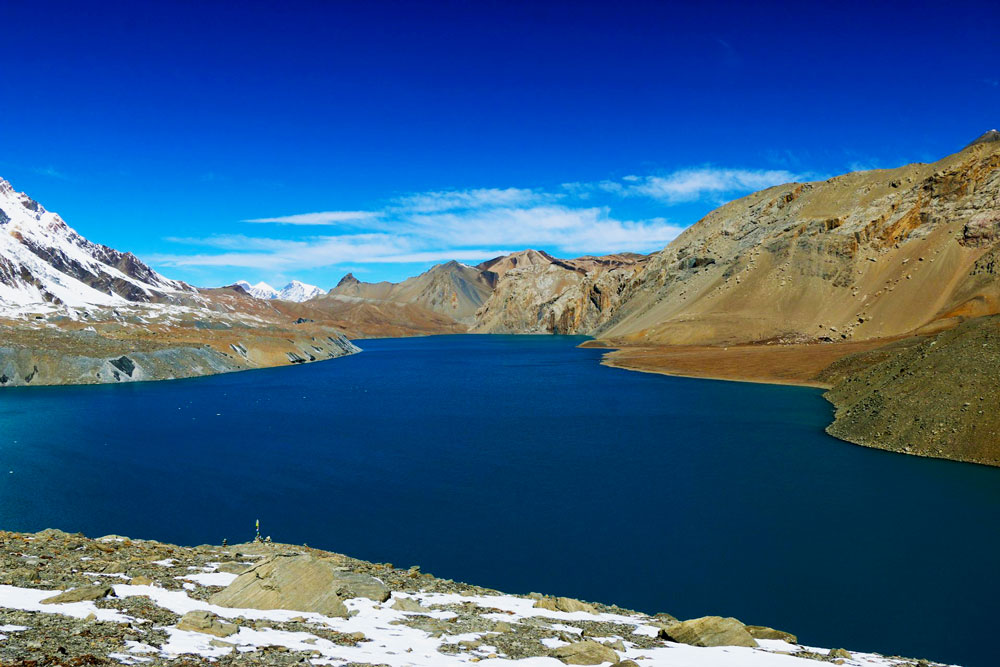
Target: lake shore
(797,364)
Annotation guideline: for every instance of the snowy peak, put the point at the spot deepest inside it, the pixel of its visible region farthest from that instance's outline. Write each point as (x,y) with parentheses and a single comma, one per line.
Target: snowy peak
(43,261)
(293,291)
(260,291)
(297,291)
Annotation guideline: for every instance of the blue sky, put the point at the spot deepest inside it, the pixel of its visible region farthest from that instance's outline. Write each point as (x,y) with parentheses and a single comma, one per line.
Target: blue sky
(271,141)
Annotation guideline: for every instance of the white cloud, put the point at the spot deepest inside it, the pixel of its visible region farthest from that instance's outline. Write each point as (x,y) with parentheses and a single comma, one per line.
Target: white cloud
(449,200)
(689,185)
(319,218)
(476,224)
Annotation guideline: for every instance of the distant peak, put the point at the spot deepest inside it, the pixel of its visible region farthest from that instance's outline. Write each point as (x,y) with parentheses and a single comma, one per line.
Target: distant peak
(986,137)
(349,279)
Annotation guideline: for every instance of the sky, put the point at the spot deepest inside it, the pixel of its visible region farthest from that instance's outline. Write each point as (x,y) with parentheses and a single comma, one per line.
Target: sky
(303,140)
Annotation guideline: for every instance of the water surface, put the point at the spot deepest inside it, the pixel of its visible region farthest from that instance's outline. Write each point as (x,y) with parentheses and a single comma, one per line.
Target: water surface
(518,462)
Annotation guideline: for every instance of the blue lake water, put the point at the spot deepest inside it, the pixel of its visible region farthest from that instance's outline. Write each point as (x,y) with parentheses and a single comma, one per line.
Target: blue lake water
(519,462)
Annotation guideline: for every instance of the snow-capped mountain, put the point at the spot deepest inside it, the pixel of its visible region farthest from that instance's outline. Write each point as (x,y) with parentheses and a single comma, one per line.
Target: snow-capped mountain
(293,291)
(296,291)
(261,290)
(44,261)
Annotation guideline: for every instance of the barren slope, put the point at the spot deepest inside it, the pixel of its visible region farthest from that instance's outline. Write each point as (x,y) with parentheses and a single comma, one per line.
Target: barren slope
(866,255)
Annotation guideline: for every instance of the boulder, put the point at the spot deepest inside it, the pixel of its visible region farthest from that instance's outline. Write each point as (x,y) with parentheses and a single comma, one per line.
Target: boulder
(408,604)
(206,622)
(300,583)
(80,594)
(709,631)
(546,603)
(840,653)
(568,605)
(764,632)
(586,652)
(232,567)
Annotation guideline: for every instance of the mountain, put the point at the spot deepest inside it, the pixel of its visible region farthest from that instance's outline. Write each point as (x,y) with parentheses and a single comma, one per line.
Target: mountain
(883,286)
(298,292)
(259,291)
(452,289)
(537,293)
(76,312)
(293,291)
(44,262)
(866,255)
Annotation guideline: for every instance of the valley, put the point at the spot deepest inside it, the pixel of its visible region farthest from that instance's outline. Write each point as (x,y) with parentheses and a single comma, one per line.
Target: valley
(847,284)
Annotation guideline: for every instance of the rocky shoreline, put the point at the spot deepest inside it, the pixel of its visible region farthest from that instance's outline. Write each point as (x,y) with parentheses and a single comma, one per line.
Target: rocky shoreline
(66,599)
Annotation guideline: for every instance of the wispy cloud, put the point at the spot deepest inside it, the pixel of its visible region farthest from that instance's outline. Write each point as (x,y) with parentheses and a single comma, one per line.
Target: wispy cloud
(449,200)
(476,224)
(319,218)
(702,183)
(50,171)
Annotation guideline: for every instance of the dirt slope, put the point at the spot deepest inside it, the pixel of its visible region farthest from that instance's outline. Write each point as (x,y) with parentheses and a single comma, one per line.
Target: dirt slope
(865,255)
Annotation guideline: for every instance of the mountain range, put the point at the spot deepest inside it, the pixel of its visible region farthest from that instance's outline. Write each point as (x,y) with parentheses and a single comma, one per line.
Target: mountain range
(871,284)
(293,291)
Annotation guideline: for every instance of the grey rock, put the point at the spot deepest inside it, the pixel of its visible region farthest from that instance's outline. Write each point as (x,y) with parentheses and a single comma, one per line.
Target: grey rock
(80,594)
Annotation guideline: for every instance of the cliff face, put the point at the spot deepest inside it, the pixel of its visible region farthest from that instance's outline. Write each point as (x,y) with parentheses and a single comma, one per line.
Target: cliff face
(865,255)
(537,293)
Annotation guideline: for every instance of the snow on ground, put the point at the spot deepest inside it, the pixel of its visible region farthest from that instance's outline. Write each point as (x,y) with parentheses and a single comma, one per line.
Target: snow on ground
(386,641)
(210,578)
(30,599)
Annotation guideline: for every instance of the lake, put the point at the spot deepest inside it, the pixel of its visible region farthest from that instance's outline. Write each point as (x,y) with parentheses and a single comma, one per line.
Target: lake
(520,463)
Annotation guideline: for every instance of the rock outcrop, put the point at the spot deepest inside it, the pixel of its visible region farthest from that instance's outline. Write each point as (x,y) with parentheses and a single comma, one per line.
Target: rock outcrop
(300,583)
(538,293)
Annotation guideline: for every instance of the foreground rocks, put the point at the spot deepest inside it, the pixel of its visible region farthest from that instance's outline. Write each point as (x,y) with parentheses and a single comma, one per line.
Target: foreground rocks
(69,600)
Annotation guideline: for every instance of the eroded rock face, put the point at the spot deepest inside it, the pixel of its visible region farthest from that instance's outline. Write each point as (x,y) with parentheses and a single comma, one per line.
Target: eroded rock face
(300,583)
(537,293)
(710,631)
